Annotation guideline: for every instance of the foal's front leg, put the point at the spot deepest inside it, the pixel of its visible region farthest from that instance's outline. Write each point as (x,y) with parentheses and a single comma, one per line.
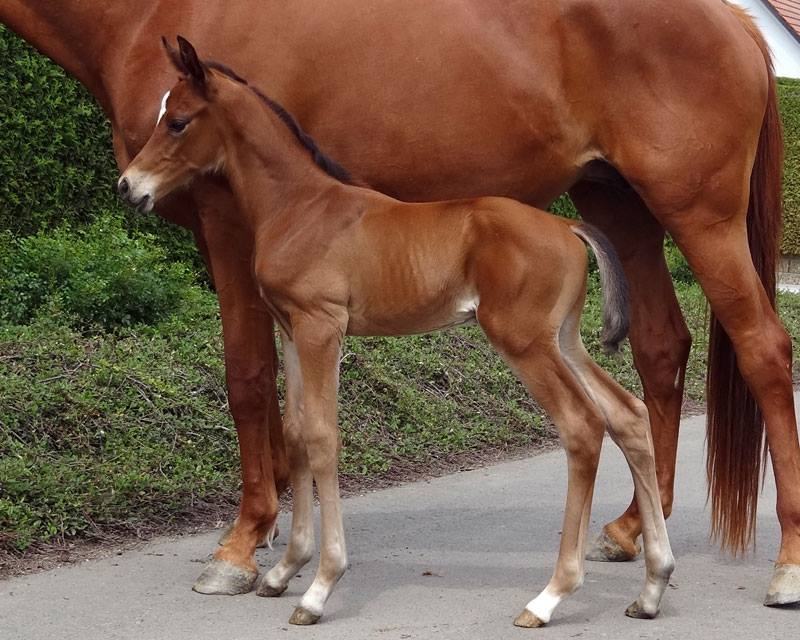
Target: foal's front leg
(301,540)
(318,345)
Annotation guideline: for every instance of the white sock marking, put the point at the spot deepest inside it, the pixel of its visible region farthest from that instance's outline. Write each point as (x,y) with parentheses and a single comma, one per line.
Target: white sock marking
(543,605)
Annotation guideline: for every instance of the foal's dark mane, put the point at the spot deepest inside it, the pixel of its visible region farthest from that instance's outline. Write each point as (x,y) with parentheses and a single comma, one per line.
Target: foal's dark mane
(324,162)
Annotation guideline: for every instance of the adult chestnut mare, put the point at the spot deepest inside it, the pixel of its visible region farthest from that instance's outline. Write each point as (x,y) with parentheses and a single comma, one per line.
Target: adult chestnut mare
(657,115)
(331,258)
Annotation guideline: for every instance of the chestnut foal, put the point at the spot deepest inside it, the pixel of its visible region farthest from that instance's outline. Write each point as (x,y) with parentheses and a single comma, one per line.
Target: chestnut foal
(333,259)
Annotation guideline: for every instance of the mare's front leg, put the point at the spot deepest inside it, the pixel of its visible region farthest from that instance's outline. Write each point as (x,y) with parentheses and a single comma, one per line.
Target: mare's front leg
(318,344)
(301,540)
(250,367)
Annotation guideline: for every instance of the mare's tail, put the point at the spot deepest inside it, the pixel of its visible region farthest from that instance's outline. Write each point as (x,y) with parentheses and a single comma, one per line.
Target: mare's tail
(735,441)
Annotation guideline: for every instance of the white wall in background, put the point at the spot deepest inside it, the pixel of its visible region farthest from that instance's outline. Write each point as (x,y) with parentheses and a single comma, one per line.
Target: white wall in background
(785,47)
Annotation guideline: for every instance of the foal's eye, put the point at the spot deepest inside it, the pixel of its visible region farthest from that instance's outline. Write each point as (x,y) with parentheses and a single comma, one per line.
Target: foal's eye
(177,126)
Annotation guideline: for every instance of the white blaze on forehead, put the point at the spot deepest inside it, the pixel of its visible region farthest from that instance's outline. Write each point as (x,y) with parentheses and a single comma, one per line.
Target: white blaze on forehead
(163,109)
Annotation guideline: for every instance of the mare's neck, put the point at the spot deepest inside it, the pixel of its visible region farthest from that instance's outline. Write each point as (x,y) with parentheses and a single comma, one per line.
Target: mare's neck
(78,35)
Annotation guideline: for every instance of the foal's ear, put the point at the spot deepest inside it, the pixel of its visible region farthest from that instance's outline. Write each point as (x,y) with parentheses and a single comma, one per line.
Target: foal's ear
(195,69)
(174,57)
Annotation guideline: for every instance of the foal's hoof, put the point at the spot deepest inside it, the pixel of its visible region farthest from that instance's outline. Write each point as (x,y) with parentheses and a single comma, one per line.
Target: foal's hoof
(528,621)
(265,590)
(262,544)
(304,617)
(637,611)
(606,549)
(785,586)
(223,578)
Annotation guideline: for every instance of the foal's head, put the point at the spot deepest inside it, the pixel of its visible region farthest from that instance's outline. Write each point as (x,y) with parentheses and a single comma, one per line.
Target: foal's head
(200,120)
(188,138)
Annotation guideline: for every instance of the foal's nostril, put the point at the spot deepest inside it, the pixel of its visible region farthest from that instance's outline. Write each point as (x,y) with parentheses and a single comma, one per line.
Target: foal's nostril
(124,187)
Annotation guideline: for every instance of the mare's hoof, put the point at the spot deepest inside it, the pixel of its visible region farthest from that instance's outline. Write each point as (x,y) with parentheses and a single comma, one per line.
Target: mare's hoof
(223,578)
(528,621)
(636,611)
(605,549)
(304,617)
(263,543)
(785,586)
(265,590)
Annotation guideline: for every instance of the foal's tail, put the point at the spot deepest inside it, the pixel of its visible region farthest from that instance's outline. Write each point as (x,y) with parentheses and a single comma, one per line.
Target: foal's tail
(616,307)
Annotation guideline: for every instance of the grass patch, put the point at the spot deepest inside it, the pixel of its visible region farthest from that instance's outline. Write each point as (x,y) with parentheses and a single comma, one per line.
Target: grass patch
(104,429)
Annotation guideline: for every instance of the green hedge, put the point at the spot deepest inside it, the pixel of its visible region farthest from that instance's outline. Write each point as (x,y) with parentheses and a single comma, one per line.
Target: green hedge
(789,91)
(56,162)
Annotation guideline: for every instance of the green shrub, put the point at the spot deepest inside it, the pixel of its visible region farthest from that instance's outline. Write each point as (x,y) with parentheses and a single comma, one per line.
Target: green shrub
(56,159)
(789,91)
(98,275)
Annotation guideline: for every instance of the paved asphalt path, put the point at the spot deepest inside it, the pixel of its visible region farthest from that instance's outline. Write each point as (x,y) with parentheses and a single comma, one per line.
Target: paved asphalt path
(456,557)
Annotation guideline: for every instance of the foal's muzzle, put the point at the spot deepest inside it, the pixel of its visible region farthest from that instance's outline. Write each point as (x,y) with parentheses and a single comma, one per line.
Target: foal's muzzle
(142,200)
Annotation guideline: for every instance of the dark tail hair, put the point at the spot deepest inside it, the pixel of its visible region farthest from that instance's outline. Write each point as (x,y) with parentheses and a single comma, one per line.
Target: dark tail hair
(616,305)
(735,442)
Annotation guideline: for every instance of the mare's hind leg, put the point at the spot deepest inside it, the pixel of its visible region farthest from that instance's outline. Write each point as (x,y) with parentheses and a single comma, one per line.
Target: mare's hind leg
(628,425)
(581,428)
(721,261)
(659,339)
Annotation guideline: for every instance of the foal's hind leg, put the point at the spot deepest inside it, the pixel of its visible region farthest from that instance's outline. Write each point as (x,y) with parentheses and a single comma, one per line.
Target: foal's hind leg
(581,428)
(659,338)
(628,424)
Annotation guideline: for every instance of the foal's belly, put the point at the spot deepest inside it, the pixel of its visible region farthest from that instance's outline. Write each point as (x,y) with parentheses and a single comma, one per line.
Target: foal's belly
(403,318)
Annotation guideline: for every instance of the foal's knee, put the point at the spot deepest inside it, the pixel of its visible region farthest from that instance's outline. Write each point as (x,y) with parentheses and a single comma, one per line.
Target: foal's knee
(631,427)
(583,441)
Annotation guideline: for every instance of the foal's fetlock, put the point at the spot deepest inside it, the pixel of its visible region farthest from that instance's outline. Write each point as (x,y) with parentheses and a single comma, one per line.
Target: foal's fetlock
(267,589)
(276,580)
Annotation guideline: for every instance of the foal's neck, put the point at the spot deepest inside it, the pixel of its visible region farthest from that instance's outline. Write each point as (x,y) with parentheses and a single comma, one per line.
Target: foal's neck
(272,174)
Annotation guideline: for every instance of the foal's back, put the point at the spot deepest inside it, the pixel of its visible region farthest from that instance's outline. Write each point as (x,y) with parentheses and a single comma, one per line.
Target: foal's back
(414,268)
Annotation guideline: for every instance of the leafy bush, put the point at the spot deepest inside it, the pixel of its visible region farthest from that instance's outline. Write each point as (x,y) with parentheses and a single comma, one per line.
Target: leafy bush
(789,91)
(99,275)
(56,159)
